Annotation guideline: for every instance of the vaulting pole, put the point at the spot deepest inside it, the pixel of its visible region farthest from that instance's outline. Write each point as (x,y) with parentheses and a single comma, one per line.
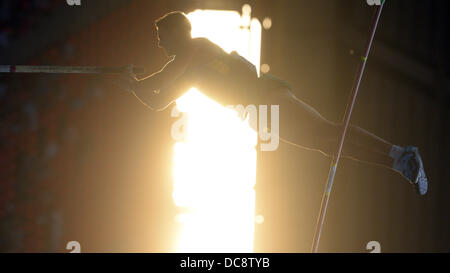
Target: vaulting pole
(70,69)
(347,116)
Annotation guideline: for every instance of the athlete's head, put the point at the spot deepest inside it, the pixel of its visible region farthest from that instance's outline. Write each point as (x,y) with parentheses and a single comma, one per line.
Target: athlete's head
(174,32)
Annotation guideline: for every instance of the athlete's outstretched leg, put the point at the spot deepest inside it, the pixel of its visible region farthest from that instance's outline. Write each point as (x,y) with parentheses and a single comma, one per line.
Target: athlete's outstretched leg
(302,125)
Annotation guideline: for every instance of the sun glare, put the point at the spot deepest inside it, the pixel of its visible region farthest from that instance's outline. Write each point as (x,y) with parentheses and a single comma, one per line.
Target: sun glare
(215,166)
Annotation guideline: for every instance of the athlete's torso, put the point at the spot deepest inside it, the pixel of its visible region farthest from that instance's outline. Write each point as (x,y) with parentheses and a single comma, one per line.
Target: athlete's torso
(226,78)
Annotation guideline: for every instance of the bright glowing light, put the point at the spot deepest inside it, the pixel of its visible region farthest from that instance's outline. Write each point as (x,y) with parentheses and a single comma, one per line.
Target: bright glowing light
(267,23)
(215,167)
(230,31)
(259,219)
(265,68)
(246,9)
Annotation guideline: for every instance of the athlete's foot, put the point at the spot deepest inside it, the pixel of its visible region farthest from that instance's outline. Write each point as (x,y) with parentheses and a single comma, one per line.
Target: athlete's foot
(410,165)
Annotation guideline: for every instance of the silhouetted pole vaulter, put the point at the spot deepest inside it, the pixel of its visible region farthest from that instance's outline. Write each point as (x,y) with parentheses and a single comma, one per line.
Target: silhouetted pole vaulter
(230,79)
(347,116)
(70,69)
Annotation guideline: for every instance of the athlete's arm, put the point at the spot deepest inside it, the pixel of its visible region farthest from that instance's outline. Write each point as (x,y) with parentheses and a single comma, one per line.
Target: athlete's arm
(160,99)
(160,89)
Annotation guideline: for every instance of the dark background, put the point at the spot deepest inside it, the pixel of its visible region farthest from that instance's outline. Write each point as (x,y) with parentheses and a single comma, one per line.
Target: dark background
(82,161)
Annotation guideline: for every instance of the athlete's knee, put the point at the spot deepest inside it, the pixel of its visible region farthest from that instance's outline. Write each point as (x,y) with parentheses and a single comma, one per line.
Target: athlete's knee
(279,96)
(326,135)
(288,94)
(326,129)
